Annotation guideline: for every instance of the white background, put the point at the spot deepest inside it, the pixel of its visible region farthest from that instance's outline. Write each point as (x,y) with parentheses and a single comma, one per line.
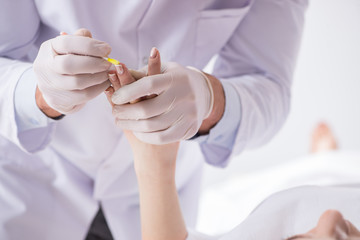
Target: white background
(326,88)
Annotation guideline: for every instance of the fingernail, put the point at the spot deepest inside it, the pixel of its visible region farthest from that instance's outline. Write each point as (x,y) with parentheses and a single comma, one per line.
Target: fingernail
(107,91)
(112,77)
(119,69)
(153,52)
(63,33)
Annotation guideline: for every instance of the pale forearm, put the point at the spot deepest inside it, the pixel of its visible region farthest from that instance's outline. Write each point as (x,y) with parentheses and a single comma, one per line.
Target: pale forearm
(161,217)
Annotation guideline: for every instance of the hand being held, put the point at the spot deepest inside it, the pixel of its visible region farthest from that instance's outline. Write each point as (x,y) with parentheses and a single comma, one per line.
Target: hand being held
(154,166)
(148,157)
(184,99)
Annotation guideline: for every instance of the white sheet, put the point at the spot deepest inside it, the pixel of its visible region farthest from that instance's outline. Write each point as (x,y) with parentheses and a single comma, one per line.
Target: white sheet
(296,211)
(225,205)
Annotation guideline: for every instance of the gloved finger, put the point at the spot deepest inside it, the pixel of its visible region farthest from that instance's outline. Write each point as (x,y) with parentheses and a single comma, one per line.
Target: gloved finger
(137,74)
(79,81)
(154,124)
(83,96)
(75,64)
(182,128)
(155,84)
(154,63)
(143,110)
(80,45)
(80,32)
(67,104)
(146,125)
(124,75)
(73,109)
(83,32)
(115,82)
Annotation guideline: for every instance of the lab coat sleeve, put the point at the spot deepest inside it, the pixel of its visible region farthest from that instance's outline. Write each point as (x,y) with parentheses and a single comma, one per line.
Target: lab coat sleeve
(257,63)
(19,30)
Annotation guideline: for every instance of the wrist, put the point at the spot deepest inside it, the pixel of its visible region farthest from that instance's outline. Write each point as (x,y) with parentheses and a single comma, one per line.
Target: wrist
(218,108)
(159,176)
(158,171)
(44,107)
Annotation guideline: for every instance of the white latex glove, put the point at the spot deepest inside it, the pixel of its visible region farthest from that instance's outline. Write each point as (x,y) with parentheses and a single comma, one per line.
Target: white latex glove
(185,98)
(70,70)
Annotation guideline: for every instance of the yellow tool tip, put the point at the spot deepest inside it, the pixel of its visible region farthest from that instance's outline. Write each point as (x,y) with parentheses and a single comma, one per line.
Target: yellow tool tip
(113,61)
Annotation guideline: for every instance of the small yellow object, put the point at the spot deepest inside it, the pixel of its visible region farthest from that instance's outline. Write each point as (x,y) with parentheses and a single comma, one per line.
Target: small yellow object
(113,61)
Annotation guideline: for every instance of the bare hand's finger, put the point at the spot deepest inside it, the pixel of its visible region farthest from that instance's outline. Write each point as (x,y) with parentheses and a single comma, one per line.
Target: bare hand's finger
(124,75)
(154,64)
(154,67)
(83,32)
(115,82)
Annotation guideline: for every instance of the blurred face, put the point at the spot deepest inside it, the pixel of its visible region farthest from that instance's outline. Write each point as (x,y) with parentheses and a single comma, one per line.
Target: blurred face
(331,226)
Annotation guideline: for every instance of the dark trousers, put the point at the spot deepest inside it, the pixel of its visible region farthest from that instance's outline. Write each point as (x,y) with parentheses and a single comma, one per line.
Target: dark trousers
(99,229)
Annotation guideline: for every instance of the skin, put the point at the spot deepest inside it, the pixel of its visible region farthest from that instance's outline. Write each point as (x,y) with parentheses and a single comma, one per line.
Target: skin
(331,226)
(207,124)
(155,170)
(323,139)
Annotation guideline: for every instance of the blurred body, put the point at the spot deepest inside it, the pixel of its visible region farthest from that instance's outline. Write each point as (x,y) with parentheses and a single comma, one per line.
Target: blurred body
(285,213)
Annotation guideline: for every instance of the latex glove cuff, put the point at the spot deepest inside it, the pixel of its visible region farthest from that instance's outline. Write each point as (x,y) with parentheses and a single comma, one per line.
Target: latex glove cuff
(210,89)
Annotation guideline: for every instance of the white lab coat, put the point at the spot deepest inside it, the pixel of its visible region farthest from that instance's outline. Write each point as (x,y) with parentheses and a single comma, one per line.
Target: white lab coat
(52,177)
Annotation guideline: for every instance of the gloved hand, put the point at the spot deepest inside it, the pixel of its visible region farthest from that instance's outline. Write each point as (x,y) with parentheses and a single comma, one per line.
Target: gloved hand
(162,156)
(71,71)
(185,98)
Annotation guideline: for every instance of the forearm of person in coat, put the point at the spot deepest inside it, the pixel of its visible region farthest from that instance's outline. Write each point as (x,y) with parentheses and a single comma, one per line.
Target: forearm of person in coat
(256,68)
(16,42)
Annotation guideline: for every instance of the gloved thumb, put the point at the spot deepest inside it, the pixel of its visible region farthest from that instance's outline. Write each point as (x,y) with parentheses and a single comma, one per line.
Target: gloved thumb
(138,74)
(83,32)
